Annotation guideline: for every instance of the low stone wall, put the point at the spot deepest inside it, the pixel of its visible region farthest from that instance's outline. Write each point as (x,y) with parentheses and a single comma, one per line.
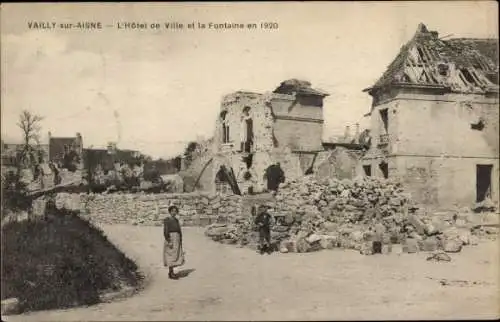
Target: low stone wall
(195,209)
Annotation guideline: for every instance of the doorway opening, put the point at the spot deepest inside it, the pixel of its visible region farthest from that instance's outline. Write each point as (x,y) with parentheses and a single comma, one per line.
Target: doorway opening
(384,168)
(483,181)
(368,170)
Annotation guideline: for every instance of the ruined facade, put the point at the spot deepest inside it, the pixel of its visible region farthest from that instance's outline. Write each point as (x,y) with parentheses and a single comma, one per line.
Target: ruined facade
(434,120)
(254,131)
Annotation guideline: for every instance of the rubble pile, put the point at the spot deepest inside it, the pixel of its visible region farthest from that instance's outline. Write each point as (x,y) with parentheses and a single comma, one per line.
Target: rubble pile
(369,215)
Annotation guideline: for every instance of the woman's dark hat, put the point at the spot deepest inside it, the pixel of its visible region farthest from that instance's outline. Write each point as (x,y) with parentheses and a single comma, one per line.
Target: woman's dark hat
(171,208)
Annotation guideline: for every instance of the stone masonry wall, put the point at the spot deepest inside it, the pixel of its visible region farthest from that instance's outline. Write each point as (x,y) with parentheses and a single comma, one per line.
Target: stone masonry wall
(432,146)
(195,209)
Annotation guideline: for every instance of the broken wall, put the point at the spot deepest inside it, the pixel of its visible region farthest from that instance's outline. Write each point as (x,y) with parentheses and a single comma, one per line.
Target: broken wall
(432,147)
(297,125)
(340,163)
(260,112)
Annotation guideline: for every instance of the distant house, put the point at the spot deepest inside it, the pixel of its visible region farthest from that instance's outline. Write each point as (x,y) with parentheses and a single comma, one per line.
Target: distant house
(107,157)
(163,167)
(65,150)
(10,153)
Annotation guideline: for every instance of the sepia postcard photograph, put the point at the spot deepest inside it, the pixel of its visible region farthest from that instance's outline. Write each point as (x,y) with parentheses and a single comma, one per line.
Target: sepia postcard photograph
(250,161)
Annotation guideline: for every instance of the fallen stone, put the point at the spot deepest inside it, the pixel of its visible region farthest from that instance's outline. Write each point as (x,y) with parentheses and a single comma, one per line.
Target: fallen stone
(313,238)
(357,236)
(464,235)
(461,223)
(417,224)
(366,248)
(450,233)
(328,242)
(397,249)
(473,240)
(283,250)
(431,229)
(452,245)
(429,244)
(410,246)
(330,227)
(491,230)
(416,236)
(303,246)
(439,257)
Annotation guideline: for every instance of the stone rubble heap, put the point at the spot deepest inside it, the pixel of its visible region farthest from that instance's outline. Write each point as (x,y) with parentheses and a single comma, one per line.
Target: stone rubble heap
(368,215)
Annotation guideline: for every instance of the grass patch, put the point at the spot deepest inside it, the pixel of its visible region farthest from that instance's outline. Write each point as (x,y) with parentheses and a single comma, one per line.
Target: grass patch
(62,261)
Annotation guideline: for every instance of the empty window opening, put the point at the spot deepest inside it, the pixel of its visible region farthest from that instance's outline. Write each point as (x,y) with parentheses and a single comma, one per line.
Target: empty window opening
(479,126)
(223,115)
(226,133)
(384,168)
(248,142)
(225,127)
(422,55)
(443,69)
(368,170)
(483,181)
(468,77)
(248,160)
(385,119)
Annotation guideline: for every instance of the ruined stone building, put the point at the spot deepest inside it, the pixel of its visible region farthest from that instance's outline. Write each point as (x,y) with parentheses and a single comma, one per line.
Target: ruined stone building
(434,120)
(254,131)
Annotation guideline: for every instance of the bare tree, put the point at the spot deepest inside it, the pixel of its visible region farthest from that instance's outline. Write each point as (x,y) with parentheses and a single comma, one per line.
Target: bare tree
(30,125)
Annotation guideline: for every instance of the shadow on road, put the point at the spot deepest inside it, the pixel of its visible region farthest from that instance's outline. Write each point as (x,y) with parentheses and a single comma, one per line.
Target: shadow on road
(185,272)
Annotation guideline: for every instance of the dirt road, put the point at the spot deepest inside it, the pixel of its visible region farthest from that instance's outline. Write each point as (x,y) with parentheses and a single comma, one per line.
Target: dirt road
(229,283)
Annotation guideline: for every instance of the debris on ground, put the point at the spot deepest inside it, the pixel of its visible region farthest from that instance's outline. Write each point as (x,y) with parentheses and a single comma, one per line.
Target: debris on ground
(439,257)
(461,283)
(369,215)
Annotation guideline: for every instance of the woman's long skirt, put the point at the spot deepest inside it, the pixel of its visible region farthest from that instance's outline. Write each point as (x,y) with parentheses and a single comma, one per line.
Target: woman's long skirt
(173,256)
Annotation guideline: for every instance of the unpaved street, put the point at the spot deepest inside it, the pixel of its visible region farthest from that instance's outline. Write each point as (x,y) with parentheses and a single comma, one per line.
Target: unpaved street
(229,283)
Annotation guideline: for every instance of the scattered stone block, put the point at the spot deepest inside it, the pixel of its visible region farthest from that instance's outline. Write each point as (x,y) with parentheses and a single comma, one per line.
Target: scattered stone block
(397,249)
(452,245)
(439,257)
(417,224)
(429,244)
(491,230)
(366,248)
(410,246)
(464,235)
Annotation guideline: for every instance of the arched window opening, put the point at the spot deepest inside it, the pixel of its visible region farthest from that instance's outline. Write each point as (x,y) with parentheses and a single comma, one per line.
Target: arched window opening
(225,127)
(246,131)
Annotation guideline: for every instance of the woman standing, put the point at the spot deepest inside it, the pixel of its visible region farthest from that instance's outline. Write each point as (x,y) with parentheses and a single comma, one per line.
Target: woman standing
(173,254)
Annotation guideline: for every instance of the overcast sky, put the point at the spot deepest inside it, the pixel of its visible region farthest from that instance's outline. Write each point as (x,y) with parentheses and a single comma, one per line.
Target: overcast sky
(154,90)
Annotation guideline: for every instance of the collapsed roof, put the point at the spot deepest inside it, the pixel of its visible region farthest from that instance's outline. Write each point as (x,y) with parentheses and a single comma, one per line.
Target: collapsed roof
(298,86)
(465,65)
